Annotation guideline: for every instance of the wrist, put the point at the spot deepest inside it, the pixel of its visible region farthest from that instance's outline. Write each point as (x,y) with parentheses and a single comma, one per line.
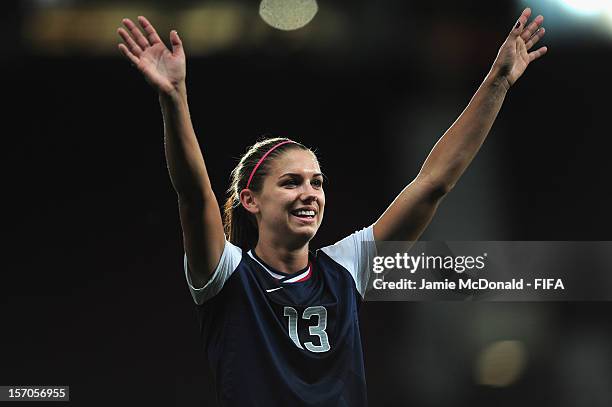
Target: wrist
(176,94)
(498,81)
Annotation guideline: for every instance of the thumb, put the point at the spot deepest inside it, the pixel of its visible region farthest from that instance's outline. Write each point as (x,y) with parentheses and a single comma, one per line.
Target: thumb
(175,41)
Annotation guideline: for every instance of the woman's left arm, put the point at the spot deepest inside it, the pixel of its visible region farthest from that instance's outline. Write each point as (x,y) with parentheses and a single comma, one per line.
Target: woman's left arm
(412,210)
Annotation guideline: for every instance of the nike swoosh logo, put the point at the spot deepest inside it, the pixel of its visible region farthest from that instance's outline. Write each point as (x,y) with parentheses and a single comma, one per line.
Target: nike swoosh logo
(273,289)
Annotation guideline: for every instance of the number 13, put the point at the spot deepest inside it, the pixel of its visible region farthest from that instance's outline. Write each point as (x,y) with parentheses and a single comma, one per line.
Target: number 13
(318,329)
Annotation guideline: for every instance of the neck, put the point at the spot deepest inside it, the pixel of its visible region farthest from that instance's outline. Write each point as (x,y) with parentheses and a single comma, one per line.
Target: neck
(281,258)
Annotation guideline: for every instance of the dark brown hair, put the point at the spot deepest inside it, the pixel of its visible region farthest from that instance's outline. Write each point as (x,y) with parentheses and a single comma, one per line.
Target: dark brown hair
(240,225)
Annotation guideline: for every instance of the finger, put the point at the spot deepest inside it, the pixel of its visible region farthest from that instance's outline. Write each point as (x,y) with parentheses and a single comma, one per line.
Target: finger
(150,30)
(131,45)
(520,23)
(532,28)
(535,38)
(135,31)
(175,41)
(537,53)
(125,51)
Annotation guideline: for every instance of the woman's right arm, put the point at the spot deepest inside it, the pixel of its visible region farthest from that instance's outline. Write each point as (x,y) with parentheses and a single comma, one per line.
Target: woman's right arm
(165,70)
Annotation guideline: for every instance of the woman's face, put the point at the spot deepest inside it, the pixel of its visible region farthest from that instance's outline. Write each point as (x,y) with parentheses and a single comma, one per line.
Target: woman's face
(291,202)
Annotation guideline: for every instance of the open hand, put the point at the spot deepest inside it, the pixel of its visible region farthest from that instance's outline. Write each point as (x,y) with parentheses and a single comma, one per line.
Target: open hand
(514,56)
(162,68)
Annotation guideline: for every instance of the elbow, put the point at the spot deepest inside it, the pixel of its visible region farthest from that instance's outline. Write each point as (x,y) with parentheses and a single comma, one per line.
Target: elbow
(436,188)
(190,201)
(444,188)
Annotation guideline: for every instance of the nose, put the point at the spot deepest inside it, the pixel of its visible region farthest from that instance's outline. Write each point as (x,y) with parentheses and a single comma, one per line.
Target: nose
(309,198)
(310,194)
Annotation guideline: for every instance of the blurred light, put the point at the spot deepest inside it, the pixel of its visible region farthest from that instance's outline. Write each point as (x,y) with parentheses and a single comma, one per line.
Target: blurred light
(585,7)
(213,27)
(62,30)
(608,12)
(66,30)
(597,11)
(288,14)
(570,20)
(93,30)
(501,363)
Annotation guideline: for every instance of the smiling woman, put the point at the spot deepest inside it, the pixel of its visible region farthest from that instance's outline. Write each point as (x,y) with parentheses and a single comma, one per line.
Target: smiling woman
(279,323)
(275,175)
(271,287)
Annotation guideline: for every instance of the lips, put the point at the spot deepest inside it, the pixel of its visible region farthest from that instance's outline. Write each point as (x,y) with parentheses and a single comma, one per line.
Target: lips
(304,215)
(304,219)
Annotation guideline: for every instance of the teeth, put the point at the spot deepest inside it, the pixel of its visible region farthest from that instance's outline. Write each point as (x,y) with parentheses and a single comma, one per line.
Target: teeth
(306,213)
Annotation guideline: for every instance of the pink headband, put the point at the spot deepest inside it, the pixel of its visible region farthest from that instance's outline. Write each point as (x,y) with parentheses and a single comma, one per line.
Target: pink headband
(264,157)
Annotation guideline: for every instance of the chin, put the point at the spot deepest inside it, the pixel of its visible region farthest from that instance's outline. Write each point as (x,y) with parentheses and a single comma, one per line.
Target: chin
(306,234)
(303,236)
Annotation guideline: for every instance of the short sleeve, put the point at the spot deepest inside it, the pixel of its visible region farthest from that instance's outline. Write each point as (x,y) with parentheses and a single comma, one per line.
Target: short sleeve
(230,258)
(355,253)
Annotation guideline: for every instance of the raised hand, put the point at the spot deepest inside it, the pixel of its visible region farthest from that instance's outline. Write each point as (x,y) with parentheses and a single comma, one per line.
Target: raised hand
(514,56)
(162,68)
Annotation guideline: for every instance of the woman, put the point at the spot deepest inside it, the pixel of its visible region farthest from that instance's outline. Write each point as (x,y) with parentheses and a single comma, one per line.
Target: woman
(279,323)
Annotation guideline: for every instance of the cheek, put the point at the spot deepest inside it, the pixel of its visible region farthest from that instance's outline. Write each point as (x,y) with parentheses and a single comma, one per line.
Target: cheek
(280,202)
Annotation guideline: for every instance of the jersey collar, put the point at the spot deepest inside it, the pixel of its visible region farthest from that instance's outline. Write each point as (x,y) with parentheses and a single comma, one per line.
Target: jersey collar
(283,278)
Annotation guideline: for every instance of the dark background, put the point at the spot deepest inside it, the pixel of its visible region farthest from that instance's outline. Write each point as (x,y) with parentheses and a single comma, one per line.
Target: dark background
(92,290)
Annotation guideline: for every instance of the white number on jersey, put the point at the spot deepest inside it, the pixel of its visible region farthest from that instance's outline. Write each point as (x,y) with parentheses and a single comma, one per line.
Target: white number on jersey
(318,330)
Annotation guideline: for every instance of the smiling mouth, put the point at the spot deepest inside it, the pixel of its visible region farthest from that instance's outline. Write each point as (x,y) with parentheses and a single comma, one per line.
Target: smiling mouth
(304,214)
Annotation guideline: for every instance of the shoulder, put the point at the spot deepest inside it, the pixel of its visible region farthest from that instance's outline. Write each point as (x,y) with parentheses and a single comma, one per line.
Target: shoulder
(230,261)
(354,253)
(351,246)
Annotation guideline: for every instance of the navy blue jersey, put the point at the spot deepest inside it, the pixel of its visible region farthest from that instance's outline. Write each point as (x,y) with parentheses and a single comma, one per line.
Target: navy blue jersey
(273,339)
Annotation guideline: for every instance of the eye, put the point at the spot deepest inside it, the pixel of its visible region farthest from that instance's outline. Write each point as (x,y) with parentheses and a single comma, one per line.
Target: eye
(317,183)
(291,182)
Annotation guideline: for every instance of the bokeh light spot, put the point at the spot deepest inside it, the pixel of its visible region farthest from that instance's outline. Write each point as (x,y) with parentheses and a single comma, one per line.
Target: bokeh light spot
(288,14)
(501,363)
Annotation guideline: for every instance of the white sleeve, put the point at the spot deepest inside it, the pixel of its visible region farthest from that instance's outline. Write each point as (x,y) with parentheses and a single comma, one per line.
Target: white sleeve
(355,253)
(227,264)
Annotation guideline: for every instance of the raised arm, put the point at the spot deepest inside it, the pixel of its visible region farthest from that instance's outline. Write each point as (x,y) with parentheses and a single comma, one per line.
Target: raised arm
(165,70)
(410,213)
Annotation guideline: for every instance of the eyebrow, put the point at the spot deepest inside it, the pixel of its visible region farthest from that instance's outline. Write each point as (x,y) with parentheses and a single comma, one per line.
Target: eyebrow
(292,174)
